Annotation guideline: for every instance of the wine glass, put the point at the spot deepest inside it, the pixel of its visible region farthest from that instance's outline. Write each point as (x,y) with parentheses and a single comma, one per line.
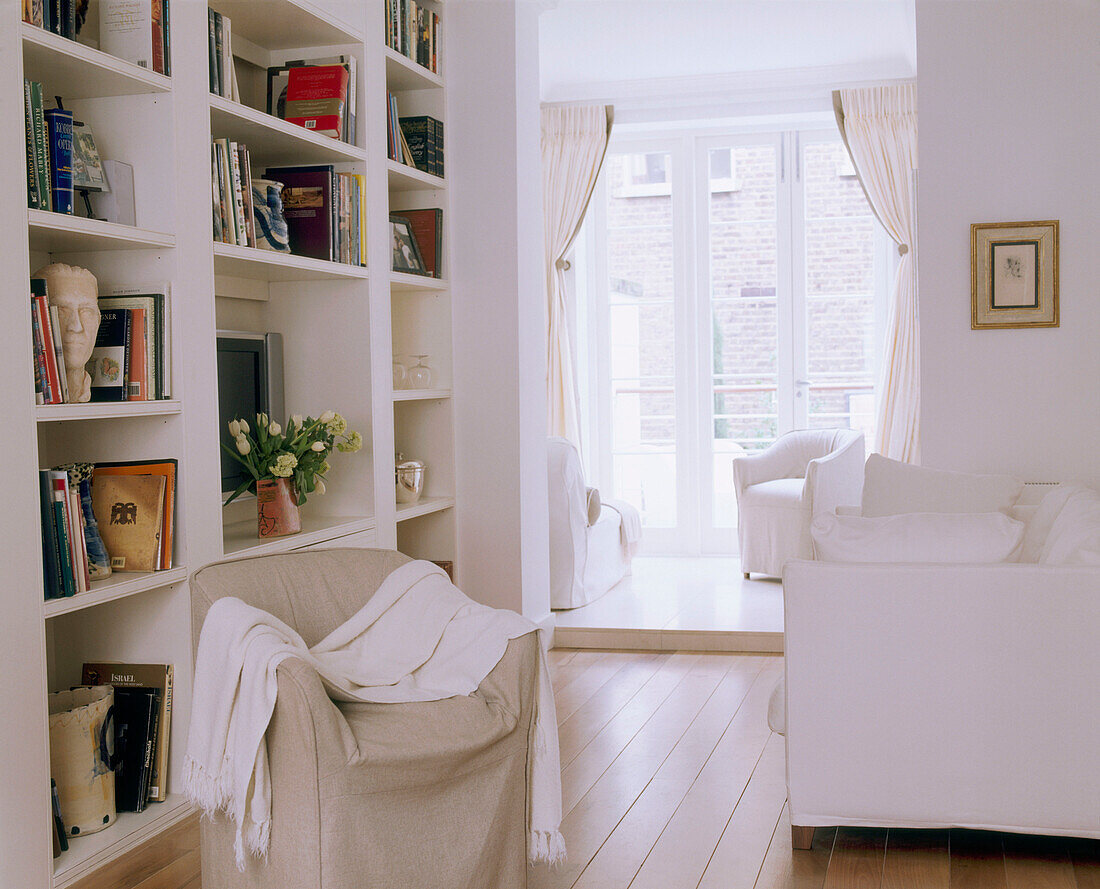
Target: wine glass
(400,375)
(420,375)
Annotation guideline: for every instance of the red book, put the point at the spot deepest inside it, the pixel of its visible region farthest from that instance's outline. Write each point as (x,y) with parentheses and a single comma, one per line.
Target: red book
(46,327)
(137,387)
(157,10)
(315,97)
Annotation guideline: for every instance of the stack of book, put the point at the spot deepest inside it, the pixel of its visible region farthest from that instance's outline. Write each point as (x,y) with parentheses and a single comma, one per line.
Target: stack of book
(325,212)
(415,141)
(134,30)
(223,74)
(132,358)
(318,95)
(129,507)
(413,31)
(231,170)
(143,726)
(50,385)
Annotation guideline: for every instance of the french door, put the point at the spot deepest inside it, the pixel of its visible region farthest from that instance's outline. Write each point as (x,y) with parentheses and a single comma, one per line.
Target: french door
(732,285)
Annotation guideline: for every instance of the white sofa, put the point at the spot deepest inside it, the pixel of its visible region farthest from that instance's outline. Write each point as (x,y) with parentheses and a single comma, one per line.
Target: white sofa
(949,695)
(780,489)
(589,554)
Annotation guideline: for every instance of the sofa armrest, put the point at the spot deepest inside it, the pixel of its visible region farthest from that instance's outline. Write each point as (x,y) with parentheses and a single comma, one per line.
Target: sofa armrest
(305,714)
(835,479)
(914,690)
(774,462)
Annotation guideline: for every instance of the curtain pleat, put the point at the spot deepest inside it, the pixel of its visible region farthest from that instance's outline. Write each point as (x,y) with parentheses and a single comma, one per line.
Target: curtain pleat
(574,142)
(879,127)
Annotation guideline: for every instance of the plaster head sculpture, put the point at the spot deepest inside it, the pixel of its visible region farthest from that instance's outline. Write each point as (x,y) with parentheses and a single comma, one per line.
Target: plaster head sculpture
(75,293)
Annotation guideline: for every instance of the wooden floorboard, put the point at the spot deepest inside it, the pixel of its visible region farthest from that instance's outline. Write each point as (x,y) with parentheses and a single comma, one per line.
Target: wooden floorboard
(1085,855)
(916,859)
(136,868)
(857,860)
(977,860)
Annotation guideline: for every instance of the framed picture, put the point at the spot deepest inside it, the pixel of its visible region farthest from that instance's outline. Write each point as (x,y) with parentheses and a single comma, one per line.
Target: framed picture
(406,252)
(87,170)
(1014,274)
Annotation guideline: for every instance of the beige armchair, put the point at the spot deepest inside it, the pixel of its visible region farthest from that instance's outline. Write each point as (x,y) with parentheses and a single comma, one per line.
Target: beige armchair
(780,489)
(406,796)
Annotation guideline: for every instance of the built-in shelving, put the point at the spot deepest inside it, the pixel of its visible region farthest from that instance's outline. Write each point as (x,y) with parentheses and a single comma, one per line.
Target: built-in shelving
(61,233)
(402,73)
(106,410)
(268,265)
(240,539)
(85,72)
(421,394)
(89,852)
(403,282)
(286,24)
(274,142)
(117,586)
(402,177)
(423,506)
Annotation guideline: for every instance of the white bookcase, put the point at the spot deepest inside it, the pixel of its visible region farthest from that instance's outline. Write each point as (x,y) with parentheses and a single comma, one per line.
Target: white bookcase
(341,327)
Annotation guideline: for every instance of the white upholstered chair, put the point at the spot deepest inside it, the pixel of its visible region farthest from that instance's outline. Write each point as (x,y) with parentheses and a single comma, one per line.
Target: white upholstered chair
(780,489)
(589,554)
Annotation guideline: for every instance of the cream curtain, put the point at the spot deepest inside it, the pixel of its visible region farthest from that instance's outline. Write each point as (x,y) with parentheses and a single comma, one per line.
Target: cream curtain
(879,127)
(574,142)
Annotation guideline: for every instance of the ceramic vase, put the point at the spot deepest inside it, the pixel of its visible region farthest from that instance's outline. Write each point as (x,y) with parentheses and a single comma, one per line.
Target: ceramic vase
(277,512)
(267,205)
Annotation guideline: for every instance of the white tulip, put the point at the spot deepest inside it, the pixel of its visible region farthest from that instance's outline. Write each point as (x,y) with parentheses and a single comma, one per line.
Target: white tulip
(242,445)
(274,428)
(262,420)
(234,428)
(318,446)
(296,419)
(320,485)
(327,416)
(244,427)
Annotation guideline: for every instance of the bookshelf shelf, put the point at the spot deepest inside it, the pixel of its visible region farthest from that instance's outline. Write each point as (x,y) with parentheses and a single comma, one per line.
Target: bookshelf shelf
(286,24)
(84,72)
(402,73)
(117,586)
(61,233)
(89,852)
(50,413)
(402,177)
(267,265)
(424,506)
(240,540)
(403,282)
(274,142)
(421,394)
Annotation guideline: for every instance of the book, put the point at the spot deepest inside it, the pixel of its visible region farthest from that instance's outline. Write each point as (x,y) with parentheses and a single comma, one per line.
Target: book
(278,79)
(59,833)
(165,469)
(422,133)
(32,12)
(51,543)
(307,208)
(213,53)
(315,98)
(60,501)
(152,676)
(246,195)
(158,340)
(134,724)
(137,380)
(157,23)
(41,147)
(427,226)
(58,352)
(107,365)
(129,511)
(42,339)
(126,31)
(32,170)
(59,125)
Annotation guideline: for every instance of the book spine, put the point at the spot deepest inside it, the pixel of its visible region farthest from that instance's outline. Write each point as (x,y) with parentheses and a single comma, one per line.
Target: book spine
(137,382)
(38,353)
(225,176)
(167,29)
(68,19)
(238,196)
(81,548)
(157,344)
(219,38)
(246,194)
(164,731)
(52,386)
(68,582)
(42,147)
(228,75)
(352,105)
(166,342)
(51,567)
(60,125)
(215,194)
(32,168)
(157,26)
(212,51)
(438,148)
(57,22)
(127,352)
(59,354)
(149,778)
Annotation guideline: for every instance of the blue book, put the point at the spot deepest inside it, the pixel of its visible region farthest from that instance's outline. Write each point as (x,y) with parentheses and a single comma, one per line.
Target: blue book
(60,126)
(108,362)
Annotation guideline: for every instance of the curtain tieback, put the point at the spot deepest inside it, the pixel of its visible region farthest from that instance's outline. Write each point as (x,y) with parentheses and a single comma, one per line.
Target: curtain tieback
(563,264)
(903,249)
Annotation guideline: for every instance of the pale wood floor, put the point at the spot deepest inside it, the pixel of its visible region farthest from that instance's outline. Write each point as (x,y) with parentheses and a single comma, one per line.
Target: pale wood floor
(672,780)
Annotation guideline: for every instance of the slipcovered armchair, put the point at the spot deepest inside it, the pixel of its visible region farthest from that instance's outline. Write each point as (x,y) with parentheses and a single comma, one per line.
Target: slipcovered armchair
(590,550)
(425,795)
(780,490)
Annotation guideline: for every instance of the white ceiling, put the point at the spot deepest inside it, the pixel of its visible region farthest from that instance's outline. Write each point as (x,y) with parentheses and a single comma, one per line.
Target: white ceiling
(593,49)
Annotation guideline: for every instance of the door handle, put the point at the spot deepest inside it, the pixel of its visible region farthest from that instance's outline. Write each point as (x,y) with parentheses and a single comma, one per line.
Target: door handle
(803,382)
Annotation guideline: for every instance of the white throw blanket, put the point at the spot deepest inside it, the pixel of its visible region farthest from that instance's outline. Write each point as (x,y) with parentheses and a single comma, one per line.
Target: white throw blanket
(630,528)
(419,638)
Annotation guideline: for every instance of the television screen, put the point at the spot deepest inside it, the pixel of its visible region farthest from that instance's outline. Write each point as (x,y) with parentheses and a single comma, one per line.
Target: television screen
(250,376)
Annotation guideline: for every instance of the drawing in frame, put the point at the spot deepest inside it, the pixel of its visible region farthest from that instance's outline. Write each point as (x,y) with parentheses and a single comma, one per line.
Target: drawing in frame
(405,250)
(1014,274)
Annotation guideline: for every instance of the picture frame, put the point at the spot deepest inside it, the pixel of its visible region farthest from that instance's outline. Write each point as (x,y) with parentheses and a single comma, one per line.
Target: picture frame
(405,252)
(1014,274)
(88,172)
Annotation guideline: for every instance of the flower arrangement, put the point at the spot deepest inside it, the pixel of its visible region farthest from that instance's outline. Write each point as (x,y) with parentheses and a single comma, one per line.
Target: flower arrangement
(299,452)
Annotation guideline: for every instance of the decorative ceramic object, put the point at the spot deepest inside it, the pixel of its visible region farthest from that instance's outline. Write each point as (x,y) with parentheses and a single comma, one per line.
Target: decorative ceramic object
(277,508)
(81,747)
(74,291)
(409,479)
(267,204)
(420,375)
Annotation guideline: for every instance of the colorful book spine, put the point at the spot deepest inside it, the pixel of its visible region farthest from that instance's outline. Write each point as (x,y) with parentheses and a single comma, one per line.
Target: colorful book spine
(61,522)
(51,558)
(32,169)
(41,147)
(137,383)
(59,352)
(157,24)
(238,196)
(60,124)
(53,391)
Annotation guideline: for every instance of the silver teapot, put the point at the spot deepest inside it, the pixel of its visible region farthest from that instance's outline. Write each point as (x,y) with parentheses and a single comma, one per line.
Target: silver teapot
(409,478)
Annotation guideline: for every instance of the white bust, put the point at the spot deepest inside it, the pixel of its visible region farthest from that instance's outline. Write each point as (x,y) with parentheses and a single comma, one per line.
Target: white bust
(75,293)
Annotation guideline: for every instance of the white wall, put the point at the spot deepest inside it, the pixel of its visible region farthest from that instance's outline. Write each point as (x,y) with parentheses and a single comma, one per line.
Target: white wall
(499,306)
(1009,128)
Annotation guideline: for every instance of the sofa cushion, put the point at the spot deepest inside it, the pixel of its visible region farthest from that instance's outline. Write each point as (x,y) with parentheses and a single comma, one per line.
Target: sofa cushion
(1042,519)
(917,537)
(778,492)
(891,487)
(1075,533)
